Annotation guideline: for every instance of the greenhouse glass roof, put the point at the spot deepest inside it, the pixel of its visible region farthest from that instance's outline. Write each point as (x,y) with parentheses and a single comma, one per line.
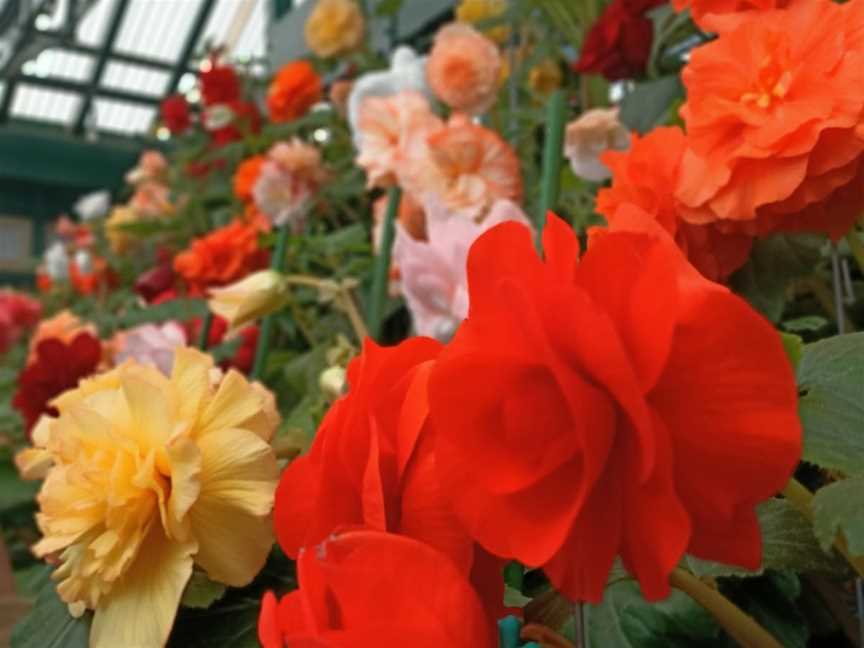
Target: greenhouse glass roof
(103,66)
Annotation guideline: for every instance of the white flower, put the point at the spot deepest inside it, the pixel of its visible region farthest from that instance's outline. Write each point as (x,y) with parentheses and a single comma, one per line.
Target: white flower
(592,134)
(57,261)
(93,205)
(407,72)
(152,344)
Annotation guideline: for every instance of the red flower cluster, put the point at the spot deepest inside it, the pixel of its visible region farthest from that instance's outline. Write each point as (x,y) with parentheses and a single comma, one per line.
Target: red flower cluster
(364,589)
(175,114)
(245,120)
(222,256)
(372,465)
(621,405)
(219,84)
(18,313)
(619,43)
(56,367)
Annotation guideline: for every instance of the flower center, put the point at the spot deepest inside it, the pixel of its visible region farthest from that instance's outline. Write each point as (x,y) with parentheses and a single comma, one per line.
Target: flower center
(772,82)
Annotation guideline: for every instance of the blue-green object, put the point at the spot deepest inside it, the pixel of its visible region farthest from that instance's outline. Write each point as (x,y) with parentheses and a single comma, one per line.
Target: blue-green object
(508,634)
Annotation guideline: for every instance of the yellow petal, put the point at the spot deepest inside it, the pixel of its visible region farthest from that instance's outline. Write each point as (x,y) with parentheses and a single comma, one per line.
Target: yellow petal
(231,519)
(34,463)
(191,379)
(234,402)
(185,461)
(151,411)
(139,610)
(266,420)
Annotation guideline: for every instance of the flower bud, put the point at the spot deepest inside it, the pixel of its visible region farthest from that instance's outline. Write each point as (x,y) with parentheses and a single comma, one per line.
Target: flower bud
(259,294)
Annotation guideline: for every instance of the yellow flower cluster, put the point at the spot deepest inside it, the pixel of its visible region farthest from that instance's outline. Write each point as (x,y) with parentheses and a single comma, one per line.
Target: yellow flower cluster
(476,12)
(146,476)
(334,27)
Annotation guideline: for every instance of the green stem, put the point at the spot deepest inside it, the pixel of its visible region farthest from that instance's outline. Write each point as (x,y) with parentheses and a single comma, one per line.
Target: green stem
(553,153)
(381,271)
(266,331)
(740,626)
(204,334)
(857,248)
(802,499)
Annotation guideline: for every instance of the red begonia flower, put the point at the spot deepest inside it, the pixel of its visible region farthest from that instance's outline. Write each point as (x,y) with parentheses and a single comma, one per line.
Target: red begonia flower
(372,465)
(175,114)
(617,405)
(57,367)
(366,589)
(619,43)
(219,84)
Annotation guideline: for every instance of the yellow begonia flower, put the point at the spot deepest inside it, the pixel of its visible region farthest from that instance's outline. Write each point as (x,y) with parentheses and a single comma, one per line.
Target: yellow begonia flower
(246,300)
(545,77)
(476,12)
(118,239)
(146,476)
(334,27)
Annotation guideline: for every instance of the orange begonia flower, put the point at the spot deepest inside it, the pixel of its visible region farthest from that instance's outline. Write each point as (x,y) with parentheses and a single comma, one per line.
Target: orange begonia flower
(641,178)
(293,91)
(224,255)
(775,121)
(246,176)
(718,15)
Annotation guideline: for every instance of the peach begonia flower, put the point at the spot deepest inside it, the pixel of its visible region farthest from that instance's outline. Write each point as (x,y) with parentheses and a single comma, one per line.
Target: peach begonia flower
(145,477)
(588,137)
(722,15)
(466,166)
(334,27)
(152,166)
(288,182)
(152,200)
(151,344)
(407,72)
(64,326)
(433,272)
(383,127)
(463,68)
(775,122)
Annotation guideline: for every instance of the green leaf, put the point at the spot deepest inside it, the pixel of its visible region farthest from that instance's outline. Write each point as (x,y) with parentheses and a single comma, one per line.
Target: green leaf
(647,104)
(788,542)
(625,620)
(840,507)
(49,624)
(176,309)
(14,491)
(806,324)
(773,263)
(771,601)
(234,625)
(794,347)
(831,384)
(388,8)
(201,592)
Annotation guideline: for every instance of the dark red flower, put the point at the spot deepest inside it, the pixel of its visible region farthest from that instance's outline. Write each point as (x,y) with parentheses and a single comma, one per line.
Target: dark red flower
(175,114)
(617,405)
(155,281)
(367,589)
(619,43)
(372,465)
(243,357)
(57,366)
(219,84)
(18,313)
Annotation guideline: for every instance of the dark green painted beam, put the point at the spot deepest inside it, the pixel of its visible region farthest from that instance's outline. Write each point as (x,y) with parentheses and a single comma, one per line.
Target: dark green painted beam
(191,41)
(101,62)
(51,156)
(83,88)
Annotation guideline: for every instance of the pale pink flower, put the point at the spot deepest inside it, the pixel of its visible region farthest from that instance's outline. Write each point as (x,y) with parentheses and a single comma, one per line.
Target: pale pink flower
(433,272)
(288,182)
(152,165)
(464,68)
(592,134)
(151,344)
(152,199)
(464,165)
(383,128)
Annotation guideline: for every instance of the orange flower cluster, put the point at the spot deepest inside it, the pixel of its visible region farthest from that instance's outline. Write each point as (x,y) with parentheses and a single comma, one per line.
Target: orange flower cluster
(717,15)
(222,256)
(294,90)
(641,178)
(246,176)
(775,122)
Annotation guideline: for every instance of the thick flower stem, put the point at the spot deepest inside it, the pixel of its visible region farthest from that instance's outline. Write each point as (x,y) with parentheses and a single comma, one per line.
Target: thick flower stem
(857,248)
(381,270)
(204,335)
(553,153)
(344,299)
(802,499)
(267,325)
(740,626)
